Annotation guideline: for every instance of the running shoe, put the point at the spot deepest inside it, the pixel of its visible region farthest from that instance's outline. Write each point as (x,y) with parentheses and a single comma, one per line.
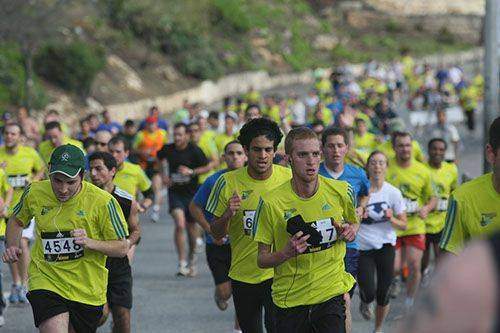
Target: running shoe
(183,269)
(155,216)
(22,295)
(221,304)
(14,294)
(2,320)
(365,310)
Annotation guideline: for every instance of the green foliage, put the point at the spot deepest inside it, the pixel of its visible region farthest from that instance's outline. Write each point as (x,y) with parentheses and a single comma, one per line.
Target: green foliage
(233,13)
(71,66)
(12,80)
(301,55)
(393,26)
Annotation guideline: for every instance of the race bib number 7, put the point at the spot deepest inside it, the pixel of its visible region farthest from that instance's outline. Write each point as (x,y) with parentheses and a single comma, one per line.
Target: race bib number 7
(248,219)
(60,246)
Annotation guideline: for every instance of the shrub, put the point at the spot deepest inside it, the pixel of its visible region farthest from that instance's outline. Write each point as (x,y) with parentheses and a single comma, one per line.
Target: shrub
(71,66)
(12,80)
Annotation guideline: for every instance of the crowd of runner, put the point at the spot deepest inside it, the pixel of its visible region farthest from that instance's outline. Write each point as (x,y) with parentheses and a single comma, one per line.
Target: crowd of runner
(299,200)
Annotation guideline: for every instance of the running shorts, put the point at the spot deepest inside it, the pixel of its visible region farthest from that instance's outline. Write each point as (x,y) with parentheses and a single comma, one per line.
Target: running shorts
(47,304)
(119,291)
(219,261)
(417,241)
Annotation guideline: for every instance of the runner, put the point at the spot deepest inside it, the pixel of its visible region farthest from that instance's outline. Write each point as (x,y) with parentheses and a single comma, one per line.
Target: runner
(5,201)
(474,207)
(22,164)
(301,227)
(147,144)
(377,238)
(233,201)
(229,134)
(414,181)
(78,225)
(182,163)
(56,138)
(335,147)
(444,178)
(119,295)
(129,176)
(218,251)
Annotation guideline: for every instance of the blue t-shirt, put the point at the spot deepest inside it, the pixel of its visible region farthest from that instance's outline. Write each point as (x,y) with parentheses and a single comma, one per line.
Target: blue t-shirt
(201,199)
(162,123)
(356,177)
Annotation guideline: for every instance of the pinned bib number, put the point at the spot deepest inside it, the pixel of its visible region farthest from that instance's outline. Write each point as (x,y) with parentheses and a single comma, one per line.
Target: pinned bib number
(442,205)
(328,234)
(60,246)
(411,206)
(248,219)
(18,181)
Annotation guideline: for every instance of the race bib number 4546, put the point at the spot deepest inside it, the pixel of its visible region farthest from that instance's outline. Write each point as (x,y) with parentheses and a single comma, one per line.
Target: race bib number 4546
(60,246)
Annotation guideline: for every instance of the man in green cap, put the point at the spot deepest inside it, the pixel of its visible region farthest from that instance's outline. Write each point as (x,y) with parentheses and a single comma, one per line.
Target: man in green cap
(78,225)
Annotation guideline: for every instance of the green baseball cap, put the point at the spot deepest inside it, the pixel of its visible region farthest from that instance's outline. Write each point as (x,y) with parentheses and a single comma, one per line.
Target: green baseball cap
(68,160)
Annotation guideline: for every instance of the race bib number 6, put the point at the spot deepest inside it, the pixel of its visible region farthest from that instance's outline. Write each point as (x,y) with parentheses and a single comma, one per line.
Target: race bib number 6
(248,219)
(442,205)
(60,246)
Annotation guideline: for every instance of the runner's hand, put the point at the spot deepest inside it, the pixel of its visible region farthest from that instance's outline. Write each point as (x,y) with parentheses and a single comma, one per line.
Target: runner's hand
(233,204)
(185,171)
(348,232)
(81,238)
(11,254)
(296,245)
(423,213)
(389,213)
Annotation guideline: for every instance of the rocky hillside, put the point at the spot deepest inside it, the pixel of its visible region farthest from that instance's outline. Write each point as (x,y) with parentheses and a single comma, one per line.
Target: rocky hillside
(122,50)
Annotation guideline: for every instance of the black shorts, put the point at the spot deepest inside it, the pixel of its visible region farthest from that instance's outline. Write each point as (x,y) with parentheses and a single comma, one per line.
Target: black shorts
(326,317)
(351,260)
(432,238)
(47,304)
(119,282)
(219,261)
(151,169)
(177,200)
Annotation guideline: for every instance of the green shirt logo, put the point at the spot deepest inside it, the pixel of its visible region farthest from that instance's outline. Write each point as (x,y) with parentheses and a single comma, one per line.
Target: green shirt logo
(245,194)
(487,218)
(45,210)
(326,207)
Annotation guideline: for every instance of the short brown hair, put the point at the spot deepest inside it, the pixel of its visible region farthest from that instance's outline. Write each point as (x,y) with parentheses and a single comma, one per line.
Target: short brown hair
(299,133)
(399,134)
(332,131)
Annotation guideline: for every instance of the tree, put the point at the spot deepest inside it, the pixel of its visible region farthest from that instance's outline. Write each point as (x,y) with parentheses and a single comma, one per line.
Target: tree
(27,24)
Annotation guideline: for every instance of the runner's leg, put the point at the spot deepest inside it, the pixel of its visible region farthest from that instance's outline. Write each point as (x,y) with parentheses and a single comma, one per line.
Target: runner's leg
(414,259)
(179,237)
(121,319)
(57,324)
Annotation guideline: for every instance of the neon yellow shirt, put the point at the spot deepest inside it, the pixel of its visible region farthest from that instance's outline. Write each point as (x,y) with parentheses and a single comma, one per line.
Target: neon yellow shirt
(473,212)
(416,151)
(444,180)
(415,184)
(20,168)
(4,186)
(319,274)
(243,248)
(131,178)
(208,148)
(46,147)
(57,263)
(222,139)
(366,143)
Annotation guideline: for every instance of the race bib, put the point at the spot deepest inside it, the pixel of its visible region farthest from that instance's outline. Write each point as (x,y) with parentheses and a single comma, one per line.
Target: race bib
(328,235)
(411,206)
(179,179)
(60,246)
(248,218)
(18,181)
(442,205)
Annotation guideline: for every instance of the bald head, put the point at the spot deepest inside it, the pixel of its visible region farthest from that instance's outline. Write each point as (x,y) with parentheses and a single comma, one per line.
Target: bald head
(101,140)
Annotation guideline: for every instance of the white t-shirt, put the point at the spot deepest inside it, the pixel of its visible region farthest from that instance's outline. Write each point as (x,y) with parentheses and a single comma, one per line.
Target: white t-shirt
(376,230)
